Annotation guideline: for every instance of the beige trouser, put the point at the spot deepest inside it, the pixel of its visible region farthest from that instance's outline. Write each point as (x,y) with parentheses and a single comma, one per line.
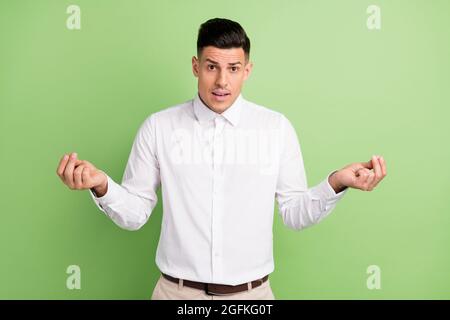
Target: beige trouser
(168,290)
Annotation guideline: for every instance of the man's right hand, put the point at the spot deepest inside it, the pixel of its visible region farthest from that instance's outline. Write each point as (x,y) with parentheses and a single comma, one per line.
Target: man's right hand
(81,175)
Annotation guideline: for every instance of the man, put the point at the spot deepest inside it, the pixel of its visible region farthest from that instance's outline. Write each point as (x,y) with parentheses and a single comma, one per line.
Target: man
(221,161)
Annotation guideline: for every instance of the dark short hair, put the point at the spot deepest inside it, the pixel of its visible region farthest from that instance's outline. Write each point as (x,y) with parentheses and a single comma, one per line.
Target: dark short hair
(223,34)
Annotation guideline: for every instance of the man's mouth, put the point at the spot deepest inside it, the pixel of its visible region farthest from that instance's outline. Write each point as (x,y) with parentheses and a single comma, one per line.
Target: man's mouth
(220,94)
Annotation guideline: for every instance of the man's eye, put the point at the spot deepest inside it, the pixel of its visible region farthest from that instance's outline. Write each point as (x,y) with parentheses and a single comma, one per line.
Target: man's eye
(234,69)
(211,67)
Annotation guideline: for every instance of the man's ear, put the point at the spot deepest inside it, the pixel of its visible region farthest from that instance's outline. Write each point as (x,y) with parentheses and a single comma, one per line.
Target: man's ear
(248,70)
(195,66)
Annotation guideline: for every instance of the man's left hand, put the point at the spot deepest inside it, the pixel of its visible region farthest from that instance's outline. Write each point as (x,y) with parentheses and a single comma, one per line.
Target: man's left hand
(360,175)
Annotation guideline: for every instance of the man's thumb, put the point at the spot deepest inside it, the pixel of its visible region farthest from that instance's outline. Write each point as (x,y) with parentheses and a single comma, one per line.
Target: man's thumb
(367,164)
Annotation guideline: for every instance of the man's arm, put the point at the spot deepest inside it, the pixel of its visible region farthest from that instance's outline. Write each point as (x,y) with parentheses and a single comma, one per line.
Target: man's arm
(131,203)
(299,205)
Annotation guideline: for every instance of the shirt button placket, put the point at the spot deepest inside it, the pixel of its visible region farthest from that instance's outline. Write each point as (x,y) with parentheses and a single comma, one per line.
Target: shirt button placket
(217,199)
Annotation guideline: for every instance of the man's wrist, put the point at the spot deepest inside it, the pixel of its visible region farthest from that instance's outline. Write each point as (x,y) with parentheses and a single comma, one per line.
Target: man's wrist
(101,190)
(333,180)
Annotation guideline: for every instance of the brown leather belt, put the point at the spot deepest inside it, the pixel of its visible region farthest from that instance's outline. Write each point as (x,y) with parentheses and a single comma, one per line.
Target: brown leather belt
(217,289)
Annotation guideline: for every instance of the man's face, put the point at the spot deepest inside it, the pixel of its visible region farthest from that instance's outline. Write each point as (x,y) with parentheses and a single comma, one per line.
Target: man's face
(221,74)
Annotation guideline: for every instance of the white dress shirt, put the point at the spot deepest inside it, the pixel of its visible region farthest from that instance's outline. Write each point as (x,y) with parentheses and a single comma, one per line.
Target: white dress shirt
(219,176)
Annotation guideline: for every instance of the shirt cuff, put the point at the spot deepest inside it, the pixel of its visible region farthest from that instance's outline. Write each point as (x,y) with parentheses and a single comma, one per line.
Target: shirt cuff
(109,197)
(326,190)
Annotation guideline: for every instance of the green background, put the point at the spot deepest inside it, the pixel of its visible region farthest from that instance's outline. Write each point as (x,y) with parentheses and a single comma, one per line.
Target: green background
(349,91)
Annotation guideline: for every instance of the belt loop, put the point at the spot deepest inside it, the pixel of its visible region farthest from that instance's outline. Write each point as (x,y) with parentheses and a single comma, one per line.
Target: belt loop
(249,286)
(180,283)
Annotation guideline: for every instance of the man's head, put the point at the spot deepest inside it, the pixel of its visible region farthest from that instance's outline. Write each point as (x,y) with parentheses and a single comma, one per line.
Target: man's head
(222,63)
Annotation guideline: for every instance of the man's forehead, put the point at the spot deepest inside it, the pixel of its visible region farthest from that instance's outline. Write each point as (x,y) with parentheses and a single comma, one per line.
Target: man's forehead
(223,56)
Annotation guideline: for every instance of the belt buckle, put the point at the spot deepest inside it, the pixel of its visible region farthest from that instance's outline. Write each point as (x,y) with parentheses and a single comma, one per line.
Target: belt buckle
(210,293)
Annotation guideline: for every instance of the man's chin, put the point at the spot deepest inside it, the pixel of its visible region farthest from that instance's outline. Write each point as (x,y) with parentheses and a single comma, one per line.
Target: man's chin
(218,105)
(221,106)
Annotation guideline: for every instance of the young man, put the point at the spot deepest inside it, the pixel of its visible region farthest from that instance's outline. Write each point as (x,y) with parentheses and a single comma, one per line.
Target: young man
(221,162)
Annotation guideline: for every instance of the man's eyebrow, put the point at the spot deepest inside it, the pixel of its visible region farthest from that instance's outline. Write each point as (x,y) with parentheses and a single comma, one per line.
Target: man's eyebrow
(231,63)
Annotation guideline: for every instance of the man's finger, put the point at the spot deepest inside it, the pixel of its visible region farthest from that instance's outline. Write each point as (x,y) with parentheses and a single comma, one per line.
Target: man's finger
(377,167)
(383,166)
(373,182)
(363,173)
(383,170)
(77,177)
(85,175)
(360,171)
(62,165)
(361,180)
(367,164)
(369,181)
(68,172)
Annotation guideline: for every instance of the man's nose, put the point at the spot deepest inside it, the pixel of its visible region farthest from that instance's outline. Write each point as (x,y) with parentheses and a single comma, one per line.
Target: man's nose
(222,79)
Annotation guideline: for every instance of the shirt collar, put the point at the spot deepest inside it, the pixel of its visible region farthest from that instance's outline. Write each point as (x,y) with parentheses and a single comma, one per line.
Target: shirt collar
(232,114)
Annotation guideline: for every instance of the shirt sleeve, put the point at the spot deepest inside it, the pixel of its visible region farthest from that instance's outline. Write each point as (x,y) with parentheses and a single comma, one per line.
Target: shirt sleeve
(131,203)
(300,206)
